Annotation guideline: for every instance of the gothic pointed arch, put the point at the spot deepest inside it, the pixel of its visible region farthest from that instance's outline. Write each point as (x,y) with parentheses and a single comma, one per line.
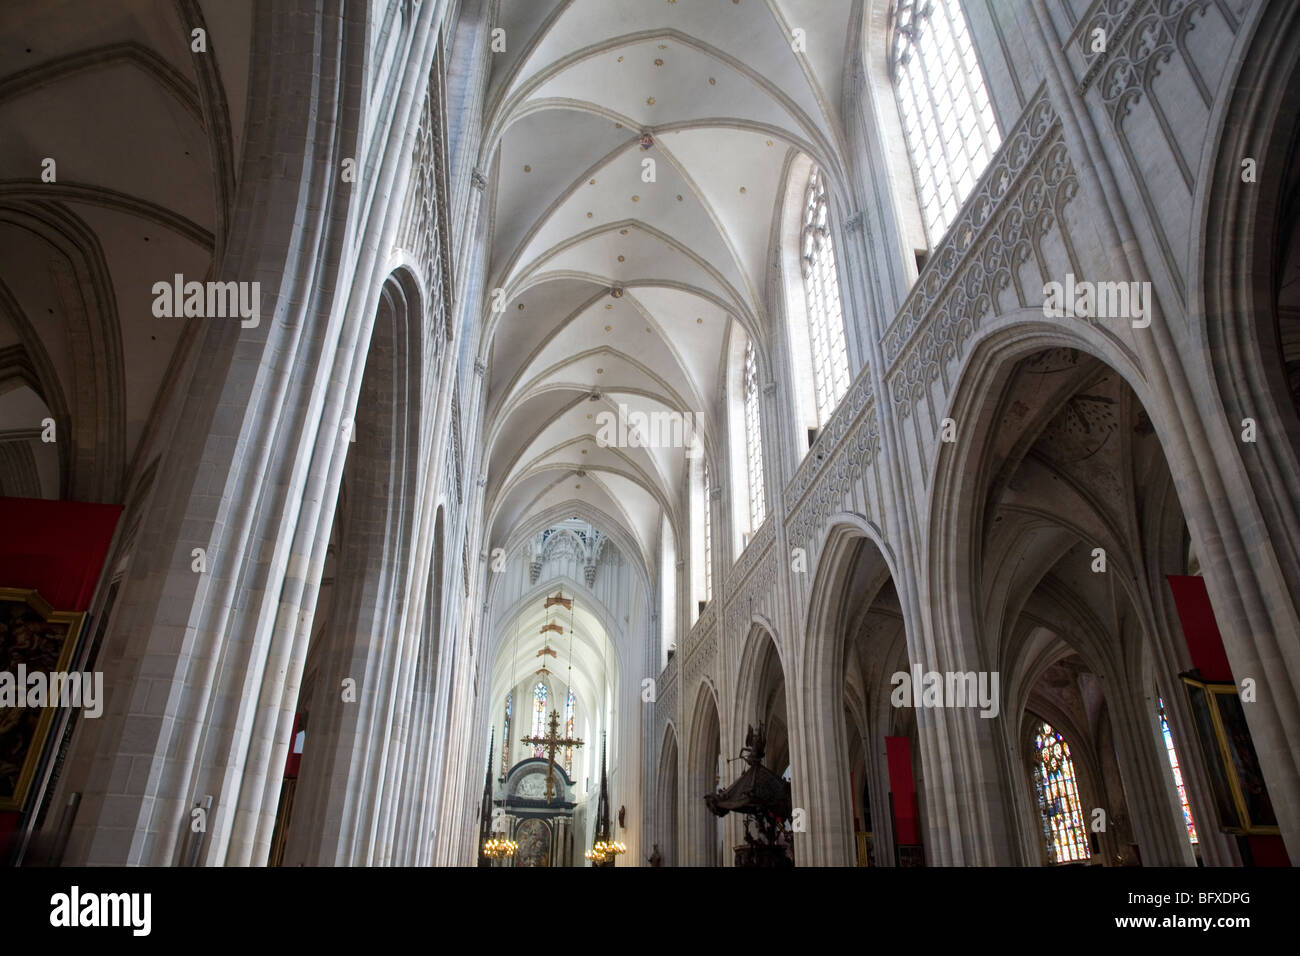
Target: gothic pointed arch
(703,775)
(667,799)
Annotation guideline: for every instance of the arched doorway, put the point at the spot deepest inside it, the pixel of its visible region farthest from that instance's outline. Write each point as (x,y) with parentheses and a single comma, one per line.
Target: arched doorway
(704,768)
(666,800)
(856,640)
(762,700)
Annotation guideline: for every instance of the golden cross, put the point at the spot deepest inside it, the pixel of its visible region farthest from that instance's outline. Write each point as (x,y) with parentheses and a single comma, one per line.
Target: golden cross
(552,742)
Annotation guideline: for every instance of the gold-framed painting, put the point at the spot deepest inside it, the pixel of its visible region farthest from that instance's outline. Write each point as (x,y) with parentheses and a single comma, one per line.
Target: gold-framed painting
(864,847)
(1236,781)
(41,639)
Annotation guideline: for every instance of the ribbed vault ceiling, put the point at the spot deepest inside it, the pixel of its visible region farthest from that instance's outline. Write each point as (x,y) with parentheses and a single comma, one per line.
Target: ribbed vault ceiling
(728,103)
(584,657)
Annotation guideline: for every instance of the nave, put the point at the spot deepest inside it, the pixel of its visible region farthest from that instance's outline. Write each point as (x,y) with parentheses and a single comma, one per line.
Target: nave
(559,433)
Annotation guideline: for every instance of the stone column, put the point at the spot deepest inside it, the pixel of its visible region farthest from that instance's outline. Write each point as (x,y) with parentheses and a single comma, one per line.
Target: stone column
(820,772)
(204,666)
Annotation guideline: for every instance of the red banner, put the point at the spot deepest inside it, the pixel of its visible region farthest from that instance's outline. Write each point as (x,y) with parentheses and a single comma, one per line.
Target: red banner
(1200,628)
(898,751)
(56,547)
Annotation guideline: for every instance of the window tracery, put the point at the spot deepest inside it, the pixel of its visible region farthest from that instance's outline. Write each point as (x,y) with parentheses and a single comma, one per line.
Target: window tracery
(822,293)
(1178,773)
(540,693)
(753,439)
(708,535)
(947,116)
(570,708)
(1058,797)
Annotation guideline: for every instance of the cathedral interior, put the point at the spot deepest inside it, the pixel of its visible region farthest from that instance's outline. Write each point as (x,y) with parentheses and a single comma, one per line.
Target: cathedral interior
(475,432)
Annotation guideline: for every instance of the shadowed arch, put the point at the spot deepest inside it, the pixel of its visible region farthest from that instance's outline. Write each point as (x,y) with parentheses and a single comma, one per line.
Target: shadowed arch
(762,694)
(94,467)
(853,567)
(666,797)
(973,610)
(703,753)
(961,473)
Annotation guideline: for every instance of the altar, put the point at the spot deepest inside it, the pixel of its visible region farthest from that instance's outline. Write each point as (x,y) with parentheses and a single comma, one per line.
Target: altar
(542,828)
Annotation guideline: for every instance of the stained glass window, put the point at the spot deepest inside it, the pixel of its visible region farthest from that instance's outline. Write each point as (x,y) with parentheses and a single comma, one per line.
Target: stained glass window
(821,285)
(753,440)
(505,735)
(1058,798)
(708,535)
(1178,773)
(539,717)
(570,705)
(947,117)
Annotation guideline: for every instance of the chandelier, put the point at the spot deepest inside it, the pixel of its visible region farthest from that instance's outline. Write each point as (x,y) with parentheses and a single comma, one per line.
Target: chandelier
(499,847)
(602,851)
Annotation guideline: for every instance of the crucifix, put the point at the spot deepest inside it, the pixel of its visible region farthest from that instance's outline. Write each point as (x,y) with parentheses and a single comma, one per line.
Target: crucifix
(552,742)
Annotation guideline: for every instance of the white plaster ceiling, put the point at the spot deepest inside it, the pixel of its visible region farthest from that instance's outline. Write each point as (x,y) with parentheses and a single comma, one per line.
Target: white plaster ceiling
(729,102)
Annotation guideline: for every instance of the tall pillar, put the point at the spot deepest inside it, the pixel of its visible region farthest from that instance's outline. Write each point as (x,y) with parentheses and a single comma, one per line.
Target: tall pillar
(820,777)
(204,665)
